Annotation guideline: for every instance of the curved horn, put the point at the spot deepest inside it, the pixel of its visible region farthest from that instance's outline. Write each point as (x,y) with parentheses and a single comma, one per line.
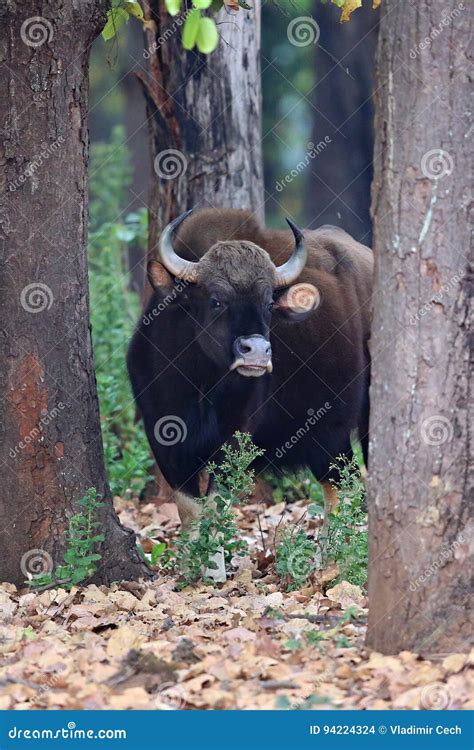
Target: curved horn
(182,269)
(289,271)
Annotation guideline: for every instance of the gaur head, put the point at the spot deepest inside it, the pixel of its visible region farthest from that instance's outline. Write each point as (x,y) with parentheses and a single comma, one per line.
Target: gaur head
(232,293)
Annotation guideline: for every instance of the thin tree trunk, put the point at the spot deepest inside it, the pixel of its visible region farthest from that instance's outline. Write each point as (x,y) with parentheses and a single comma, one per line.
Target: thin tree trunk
(205,121)
(339,183)
(50,443)
(136,130)
(421,452)
(207,110)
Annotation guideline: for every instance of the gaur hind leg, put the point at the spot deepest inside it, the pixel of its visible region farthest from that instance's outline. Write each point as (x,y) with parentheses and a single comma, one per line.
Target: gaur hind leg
(325,470)
(189,511)
(330,497)
(188,508)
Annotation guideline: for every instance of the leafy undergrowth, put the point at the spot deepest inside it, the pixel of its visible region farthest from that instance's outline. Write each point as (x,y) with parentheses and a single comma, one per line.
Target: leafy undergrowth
(248,643)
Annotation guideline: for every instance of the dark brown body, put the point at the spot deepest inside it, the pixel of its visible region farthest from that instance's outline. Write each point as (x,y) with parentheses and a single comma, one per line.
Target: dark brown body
(303,413)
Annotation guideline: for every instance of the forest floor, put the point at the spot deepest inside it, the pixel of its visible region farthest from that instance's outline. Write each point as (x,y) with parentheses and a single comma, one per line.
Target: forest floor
(244,644)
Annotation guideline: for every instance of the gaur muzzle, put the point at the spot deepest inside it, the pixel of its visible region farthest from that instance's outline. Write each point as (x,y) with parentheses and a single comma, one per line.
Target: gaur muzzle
(253,355)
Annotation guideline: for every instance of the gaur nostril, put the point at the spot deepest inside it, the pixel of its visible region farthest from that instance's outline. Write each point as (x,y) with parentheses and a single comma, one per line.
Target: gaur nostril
(255,347)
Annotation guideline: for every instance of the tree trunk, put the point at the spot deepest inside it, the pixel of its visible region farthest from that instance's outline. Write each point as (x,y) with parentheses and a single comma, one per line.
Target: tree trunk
(50,444)
(205,121)
(339,183)
(421,470)
(135,128)
(207,110)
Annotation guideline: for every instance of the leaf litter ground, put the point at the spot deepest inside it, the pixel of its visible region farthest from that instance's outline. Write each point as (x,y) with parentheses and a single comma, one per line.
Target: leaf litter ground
(245,644)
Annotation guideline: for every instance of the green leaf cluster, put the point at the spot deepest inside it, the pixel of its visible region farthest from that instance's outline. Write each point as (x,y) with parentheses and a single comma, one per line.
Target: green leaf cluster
(114,309)
(200,31)
(119,14)
(81,556)
(216,528)
(347,537)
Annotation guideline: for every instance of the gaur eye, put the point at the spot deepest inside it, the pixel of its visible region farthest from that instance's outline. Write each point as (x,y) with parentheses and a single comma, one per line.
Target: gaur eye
(215,303)
(271,305)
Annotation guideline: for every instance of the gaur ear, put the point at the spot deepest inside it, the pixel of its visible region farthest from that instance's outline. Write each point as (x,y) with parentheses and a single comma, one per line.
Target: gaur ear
(158,276)
(297,302)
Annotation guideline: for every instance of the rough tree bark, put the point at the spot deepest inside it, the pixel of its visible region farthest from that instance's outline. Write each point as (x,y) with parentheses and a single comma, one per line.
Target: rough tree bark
(421,452)
(205,121)
(339,184)
(207,110)
(50,440)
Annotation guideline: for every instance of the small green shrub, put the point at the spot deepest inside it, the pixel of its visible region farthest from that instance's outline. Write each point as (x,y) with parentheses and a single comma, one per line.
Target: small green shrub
(347,539)
(216,529)
(81,556)
(295,557)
